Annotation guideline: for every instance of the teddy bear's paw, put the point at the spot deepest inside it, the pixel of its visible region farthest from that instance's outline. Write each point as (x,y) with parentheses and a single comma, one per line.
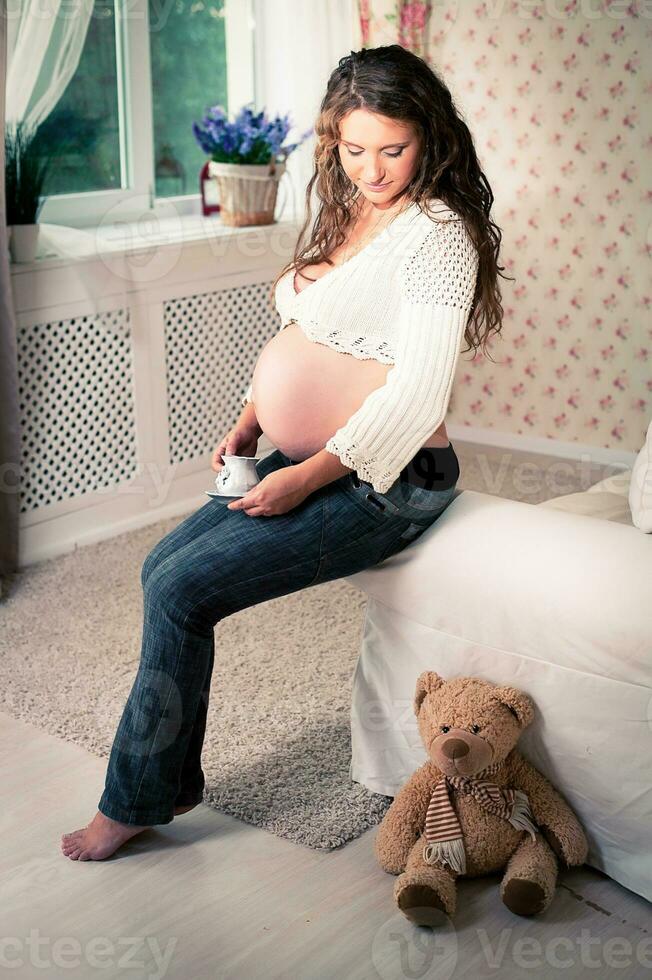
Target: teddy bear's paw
(425,900)
(523,897)
(422,905)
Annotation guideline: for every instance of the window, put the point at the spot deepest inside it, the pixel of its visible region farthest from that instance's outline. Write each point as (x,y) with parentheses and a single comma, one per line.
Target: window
(188,58)
(121,134)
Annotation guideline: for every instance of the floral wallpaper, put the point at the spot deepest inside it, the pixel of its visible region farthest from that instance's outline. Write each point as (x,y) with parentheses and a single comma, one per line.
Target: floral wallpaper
(557,97)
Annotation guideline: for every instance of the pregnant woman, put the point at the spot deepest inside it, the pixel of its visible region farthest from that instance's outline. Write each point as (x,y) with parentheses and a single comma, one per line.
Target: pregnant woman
(400,267)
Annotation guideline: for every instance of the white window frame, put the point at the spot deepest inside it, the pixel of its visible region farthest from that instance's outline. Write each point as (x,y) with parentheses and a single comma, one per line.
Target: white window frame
(137,199)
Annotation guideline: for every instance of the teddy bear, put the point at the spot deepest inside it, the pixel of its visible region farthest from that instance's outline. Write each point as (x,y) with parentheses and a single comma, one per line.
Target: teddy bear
(476,806)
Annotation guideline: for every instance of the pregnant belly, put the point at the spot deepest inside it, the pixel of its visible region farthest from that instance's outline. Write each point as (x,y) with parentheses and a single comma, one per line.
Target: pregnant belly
(304,391)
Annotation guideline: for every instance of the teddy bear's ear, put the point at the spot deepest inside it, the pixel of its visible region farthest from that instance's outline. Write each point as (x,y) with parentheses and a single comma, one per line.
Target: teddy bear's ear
(426,682)
(518,703)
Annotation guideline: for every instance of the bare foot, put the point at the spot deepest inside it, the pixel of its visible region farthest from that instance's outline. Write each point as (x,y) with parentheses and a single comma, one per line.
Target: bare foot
(99,839)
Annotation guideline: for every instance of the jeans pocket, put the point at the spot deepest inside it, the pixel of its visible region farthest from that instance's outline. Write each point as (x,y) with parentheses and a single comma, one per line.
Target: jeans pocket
(377,507)
(424,506)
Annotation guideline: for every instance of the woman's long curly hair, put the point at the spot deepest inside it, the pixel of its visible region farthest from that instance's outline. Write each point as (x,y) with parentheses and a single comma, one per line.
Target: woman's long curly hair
(395,82)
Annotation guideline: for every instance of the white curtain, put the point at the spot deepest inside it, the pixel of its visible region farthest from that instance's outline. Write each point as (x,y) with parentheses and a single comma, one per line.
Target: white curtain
(45,41)
(299,43)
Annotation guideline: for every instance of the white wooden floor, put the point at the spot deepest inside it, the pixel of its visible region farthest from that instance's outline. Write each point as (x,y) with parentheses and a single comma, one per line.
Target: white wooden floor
(208,897)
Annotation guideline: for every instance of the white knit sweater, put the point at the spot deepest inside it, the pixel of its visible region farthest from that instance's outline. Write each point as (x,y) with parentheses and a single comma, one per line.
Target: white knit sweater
(403,299)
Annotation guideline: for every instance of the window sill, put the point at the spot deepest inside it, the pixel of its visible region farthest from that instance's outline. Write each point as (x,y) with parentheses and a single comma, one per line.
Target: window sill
(63,245)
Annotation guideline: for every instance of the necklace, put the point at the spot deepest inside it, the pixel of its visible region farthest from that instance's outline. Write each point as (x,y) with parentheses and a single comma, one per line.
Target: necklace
(354,249)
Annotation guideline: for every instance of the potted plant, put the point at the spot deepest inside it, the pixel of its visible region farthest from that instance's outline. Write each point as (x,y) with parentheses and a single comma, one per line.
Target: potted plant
(247,160)
(25,174)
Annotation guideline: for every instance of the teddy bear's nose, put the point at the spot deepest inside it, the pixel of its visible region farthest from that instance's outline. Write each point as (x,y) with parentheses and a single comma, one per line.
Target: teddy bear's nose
(455,748)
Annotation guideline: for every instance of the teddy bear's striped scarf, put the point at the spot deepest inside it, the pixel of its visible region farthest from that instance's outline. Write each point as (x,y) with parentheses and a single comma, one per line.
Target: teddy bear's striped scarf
(443,832)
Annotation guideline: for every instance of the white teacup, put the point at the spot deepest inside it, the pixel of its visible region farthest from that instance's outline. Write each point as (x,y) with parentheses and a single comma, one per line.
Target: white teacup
(238,475)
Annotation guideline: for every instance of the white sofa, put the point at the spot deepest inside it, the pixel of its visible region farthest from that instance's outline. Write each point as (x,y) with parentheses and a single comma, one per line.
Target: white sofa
(554,602)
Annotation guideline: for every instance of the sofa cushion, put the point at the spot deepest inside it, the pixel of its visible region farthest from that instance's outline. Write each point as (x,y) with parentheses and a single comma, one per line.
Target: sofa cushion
(617,483)
(607,499)
(607,506)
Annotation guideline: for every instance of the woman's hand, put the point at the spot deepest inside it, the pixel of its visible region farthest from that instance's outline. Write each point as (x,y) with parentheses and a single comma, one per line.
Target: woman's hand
(277,493)
(242,440)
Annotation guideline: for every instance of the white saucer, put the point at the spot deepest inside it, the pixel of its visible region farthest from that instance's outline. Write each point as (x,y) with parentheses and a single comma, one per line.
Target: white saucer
(218,493)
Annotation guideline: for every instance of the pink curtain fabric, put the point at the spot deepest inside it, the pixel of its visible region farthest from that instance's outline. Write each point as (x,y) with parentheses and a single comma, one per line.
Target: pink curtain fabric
(405,22)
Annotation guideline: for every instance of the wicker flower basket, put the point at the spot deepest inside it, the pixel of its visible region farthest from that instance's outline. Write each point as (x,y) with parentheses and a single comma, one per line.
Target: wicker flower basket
(247,192)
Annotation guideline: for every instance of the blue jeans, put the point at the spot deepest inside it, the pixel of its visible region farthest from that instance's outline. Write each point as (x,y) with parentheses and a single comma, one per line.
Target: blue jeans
(216,562)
